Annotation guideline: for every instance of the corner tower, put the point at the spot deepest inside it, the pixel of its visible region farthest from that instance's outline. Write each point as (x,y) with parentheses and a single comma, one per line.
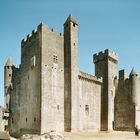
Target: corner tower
(7,81)
(70,73)
(105,66)
(134,80)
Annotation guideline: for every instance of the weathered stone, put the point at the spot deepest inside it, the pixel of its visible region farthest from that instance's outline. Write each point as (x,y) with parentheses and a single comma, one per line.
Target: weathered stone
(48,92)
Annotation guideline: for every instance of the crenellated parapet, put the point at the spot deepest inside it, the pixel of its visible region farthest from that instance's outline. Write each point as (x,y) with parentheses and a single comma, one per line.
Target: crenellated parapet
(106,54)
(90,78)
(41,27)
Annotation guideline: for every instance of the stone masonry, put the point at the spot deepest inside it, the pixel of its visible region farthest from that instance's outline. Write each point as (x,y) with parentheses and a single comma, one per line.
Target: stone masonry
(49,92)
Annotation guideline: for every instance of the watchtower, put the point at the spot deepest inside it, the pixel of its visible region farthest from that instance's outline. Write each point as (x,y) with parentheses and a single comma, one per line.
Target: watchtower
(8,71)
(134,80)
(70,73)
(105,67)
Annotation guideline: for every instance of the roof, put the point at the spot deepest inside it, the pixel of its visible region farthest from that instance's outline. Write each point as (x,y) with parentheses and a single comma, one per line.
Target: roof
(71,19)
(4,135)
(133,72)
(9,62)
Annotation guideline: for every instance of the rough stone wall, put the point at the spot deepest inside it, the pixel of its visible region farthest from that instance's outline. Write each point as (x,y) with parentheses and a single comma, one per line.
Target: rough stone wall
(89,104)
(137,107)
(124,106)
(14,121)
(30,83)
(1,120)
(52,80)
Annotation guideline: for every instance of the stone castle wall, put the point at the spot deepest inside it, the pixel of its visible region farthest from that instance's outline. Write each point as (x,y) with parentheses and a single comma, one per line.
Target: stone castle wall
(89,102)
(48,92)
(52,81)
(124,106)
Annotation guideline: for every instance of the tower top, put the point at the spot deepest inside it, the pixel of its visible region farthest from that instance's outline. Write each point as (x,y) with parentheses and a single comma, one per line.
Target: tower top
(71,19)
(103,55)
(9,62)
(133,72)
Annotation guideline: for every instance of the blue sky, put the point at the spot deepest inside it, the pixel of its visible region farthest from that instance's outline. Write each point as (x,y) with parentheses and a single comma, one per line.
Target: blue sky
(113,24)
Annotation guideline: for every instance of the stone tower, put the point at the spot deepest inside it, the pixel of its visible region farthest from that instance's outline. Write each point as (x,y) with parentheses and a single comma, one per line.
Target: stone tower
(135,94)
(134,86)
(105,66)
(8,81)
(70,73)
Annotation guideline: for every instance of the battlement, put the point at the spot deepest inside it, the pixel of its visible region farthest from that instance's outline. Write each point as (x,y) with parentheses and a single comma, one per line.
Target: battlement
(40,27)
(90,77)
(55,32)
(105,54)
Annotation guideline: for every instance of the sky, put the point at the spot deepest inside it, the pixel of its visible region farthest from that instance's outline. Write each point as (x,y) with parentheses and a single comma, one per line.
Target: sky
(102,24)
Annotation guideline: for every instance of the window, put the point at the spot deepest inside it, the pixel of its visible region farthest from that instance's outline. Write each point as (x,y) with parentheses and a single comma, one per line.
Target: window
(58,107)
(74,24)
(9,75)
(55,59)
(34,119)
(33,62)
(12,120)
(26,120)
(87,110)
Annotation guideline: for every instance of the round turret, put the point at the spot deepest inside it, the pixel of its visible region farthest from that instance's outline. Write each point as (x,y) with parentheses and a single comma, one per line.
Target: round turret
(8,70)
(134,86)
(133,73)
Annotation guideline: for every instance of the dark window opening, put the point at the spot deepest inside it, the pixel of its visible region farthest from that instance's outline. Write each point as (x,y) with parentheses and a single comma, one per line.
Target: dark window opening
(74,24)
(74,44)
(8,67)
(34,119)
(5,127)
(26,120)
(9,75)
(87,109)
(67,24)
(7,106)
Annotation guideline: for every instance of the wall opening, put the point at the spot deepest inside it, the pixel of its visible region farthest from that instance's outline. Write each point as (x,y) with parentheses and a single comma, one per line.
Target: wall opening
(58,107)
(87,110)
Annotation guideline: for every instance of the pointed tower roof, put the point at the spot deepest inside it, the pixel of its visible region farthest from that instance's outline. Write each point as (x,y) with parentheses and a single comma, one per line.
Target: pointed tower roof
(9,62)
(71,19)
(133,72)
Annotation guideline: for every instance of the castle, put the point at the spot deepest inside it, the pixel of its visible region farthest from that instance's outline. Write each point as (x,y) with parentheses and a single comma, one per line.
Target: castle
(48,92)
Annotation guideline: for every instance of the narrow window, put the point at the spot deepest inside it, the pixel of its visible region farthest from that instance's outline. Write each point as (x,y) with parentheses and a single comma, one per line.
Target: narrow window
(12,120)
(34,119)
(57,107)
(87,110)
(7,106)
(74,24)
(26,120)
(9,75)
